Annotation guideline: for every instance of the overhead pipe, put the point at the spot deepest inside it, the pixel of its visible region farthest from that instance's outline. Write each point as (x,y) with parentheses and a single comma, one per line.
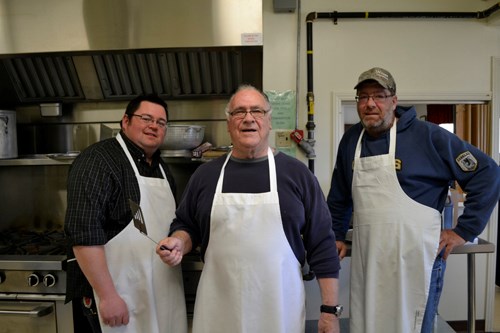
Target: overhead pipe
(308,144)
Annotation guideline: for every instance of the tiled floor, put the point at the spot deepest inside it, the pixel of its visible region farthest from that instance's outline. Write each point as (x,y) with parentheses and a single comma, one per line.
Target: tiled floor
(440,327)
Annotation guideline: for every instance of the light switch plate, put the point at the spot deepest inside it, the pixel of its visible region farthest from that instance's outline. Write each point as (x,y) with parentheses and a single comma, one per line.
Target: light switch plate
(283,139)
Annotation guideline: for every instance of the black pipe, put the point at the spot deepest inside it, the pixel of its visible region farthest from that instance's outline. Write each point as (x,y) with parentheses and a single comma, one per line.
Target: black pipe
(368,15)
(310,94)
(364,15)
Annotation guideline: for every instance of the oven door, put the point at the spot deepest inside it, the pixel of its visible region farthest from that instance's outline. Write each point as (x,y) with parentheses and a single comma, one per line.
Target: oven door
(28,316)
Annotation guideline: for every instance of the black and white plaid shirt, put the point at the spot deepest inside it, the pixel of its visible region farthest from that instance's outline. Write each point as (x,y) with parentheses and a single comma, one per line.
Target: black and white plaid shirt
(100,182)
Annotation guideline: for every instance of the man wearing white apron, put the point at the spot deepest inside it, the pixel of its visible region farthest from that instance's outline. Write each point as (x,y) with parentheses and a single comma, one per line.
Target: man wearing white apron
(152,290)
(392,175)
(134,290)
(278,278)
(248,211)
(383,213)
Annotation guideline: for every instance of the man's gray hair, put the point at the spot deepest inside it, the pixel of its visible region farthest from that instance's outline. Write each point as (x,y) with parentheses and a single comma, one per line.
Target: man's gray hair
(247,87)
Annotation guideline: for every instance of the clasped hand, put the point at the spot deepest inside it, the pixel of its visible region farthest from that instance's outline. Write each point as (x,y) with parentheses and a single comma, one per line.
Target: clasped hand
(173,256)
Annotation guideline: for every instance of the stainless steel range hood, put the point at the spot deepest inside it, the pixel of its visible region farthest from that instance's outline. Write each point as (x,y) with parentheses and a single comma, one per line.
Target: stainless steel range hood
(94,50)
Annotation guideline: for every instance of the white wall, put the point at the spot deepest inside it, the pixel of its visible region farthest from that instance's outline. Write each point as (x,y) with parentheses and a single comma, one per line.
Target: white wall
(431,59)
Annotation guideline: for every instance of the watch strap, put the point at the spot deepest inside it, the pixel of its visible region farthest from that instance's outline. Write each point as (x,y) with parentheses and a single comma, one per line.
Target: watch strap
(335,309)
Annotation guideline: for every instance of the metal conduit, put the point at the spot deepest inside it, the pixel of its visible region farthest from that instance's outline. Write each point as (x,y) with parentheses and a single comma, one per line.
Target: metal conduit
(335,16)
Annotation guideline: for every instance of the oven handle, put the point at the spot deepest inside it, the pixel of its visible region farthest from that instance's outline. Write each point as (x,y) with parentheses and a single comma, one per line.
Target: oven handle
(38,310)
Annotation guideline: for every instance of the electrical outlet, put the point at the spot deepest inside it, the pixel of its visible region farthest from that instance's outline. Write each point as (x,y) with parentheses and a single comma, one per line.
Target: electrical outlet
(283,139)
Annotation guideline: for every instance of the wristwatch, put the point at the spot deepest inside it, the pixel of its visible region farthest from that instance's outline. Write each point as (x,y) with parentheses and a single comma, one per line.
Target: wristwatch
(335,310)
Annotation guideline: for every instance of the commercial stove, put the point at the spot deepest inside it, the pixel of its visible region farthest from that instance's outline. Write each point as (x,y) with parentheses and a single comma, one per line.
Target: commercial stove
(33,282)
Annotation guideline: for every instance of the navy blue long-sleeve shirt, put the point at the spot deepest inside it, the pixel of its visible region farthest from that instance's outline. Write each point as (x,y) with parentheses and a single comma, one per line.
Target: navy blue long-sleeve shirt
(305,216)
(428,160)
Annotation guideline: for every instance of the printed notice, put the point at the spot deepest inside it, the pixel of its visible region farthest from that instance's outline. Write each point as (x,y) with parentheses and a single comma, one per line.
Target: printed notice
(251,39)
(283,103)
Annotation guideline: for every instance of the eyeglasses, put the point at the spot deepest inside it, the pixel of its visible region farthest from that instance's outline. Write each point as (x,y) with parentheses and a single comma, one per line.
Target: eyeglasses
(148,120)
(242,113)
(377,98)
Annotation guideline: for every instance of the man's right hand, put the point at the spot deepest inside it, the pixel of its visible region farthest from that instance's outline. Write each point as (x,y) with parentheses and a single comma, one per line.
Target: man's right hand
(112,308)
(113,311)
(341,248)
(173,256)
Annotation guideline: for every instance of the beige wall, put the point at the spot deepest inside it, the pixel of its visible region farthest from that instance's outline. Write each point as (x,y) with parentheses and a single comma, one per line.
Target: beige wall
(431,59)
(426,56)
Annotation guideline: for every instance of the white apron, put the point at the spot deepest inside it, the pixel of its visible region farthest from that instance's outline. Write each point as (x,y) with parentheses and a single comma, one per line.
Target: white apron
(395,243)
(153,291)
(251,281)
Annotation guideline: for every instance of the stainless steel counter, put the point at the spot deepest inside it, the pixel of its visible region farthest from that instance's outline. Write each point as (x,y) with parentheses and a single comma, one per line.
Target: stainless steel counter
(482,246)
(471,249)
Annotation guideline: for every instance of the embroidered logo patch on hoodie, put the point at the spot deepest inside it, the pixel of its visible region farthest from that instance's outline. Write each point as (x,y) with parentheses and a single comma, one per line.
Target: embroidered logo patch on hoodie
(466,161)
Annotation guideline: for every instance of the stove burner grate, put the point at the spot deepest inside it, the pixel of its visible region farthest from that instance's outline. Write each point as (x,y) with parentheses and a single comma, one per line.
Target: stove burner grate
(25,242)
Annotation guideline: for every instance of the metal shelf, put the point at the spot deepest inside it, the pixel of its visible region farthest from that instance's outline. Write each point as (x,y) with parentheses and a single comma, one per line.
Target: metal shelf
(41,159)
(482,246)
(33,160)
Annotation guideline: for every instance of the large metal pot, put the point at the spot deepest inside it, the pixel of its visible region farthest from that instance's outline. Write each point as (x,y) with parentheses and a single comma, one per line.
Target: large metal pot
(183,137)
(8,134)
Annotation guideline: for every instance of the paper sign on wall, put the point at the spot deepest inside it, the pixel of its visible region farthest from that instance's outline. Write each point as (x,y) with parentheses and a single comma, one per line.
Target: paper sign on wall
(283,119)
(283,104)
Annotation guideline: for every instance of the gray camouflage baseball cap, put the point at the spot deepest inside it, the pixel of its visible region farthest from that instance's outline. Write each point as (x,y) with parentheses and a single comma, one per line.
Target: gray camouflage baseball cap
(383,77)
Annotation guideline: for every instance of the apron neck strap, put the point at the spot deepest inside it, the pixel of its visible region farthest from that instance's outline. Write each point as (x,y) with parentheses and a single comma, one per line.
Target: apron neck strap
(131,160)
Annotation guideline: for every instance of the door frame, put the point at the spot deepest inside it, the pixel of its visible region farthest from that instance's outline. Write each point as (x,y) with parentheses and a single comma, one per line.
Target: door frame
(493,224)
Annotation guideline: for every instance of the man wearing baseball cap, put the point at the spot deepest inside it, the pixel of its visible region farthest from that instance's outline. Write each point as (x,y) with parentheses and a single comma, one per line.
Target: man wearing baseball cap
(392,176)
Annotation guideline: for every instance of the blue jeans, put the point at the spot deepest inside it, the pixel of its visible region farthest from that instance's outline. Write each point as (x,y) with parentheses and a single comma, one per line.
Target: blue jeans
(437,279)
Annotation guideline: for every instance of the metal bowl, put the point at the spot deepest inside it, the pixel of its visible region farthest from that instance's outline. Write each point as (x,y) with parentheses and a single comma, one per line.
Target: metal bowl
(183,137)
